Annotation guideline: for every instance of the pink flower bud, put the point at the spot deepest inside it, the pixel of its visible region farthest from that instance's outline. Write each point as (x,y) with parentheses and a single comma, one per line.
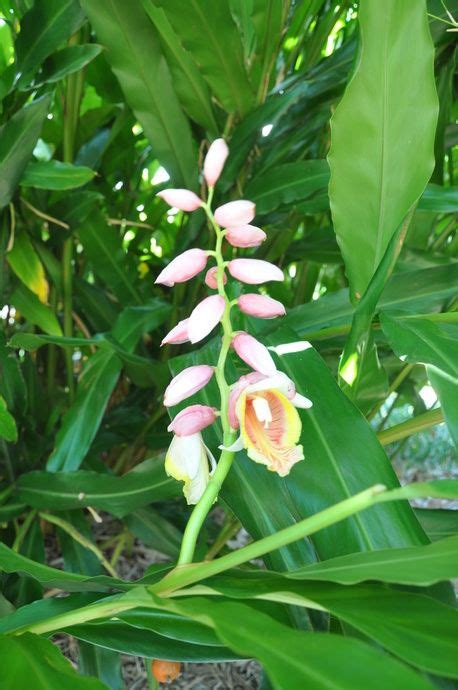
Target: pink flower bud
(183,267)
(261,306)
(211,279)
(245,236)
(235,213)
(234,395)
(205,317)
(183,199)
(254,271)
(192,419)
(186,383)
(178,334)
(214,161)
(254,353)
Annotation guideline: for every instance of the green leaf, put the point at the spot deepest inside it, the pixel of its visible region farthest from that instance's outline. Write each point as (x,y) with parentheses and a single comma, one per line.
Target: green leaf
(8,429)
(189,84)
(209,33)
(117,495)
(446,388)
(34,311)
(417,339)
(69,60)
(134,54)
(155,531)
(25,263)
(100,662)
(43,29)
(380,162)
(104,249)
(420,565)
(18,137)
(287,183)
(437,523)
(30,656)
(55,175)
(81,421)
(267,20)
(439,199)
(296,660)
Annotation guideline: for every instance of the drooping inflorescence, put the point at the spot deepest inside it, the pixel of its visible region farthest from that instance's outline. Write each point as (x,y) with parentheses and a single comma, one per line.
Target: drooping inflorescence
(261,405)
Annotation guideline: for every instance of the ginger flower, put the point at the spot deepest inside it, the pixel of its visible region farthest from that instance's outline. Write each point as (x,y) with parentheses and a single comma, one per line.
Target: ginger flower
(264,408)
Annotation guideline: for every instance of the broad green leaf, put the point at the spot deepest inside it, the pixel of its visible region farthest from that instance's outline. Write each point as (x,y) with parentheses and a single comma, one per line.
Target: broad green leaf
(418,565)
(134,54)
(286,184)
(29,306)
(69,60)
(155,531)
(438,523)
(209,33)
(118,495)
(55,175)
(31,656)
(415,627)
(446,388)
(189,84)
(8,429)
(24,261)
(103,247)
(439,199)
(417,339)
(18,137)
(81,422)
(380,162)
(267,18)
(102,663)
(296,660)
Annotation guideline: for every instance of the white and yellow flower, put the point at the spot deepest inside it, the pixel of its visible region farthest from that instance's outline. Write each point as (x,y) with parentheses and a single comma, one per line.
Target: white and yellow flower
(264,408)
(187,461)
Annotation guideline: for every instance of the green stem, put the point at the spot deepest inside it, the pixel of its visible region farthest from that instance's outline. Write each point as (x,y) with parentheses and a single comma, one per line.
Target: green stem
(411,426)
(23,530)
(405,371)
(228,531)
(210,494)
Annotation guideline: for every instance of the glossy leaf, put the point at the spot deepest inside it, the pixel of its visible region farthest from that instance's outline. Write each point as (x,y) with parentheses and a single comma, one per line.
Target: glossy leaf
(43,29)
(439,199)
(134,54)
(438,523)
(55,175)
(293,659)
(25,263)
(18,137)
(8,429)
(446,388)
(69,60)
(209,33)
(380,162)
(29,306)
(118,495)
(30,656)
(421,565)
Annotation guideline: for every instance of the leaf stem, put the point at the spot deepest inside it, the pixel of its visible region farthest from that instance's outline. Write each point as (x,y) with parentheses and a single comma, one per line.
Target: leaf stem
(210,494)
(411,426)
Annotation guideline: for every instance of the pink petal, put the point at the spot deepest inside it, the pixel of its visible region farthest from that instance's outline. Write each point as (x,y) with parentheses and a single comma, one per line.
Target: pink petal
(178,334)
(205,317)
(254,271)
(261,306)
(183,267)
(214,161)
(186,383)
(254,353)
(235,213)
(183,199)
(236,390)
(245,236)
(192,419)
(211,278)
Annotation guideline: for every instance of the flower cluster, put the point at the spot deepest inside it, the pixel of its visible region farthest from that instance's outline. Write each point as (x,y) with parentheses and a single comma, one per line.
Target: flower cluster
(261,405)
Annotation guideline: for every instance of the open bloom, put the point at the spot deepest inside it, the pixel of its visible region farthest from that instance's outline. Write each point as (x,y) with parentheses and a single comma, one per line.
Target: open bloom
(183,267)
(187,461)
(183,199)
(270,427)
(186,383)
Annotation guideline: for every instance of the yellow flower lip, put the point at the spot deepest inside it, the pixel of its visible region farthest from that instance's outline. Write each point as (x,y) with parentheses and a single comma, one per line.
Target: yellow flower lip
(187,461)
(270,426)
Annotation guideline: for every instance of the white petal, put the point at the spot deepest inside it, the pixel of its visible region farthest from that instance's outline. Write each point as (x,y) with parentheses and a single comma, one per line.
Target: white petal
(262,411)
(301,401)
(186,461)
(237,445)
